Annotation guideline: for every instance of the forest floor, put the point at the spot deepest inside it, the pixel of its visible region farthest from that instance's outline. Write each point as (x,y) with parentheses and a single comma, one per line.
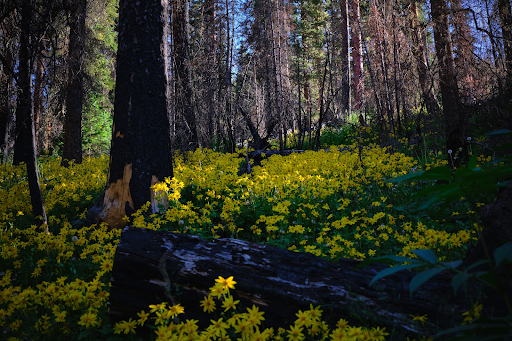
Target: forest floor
(335,203)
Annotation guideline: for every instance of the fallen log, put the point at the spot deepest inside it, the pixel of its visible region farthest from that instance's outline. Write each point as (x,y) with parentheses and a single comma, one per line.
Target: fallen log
(154,266)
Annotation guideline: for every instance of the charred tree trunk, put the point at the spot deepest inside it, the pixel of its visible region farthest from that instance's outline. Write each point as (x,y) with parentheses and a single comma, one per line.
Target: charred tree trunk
(452,107)
(140,155)
(72,149)
(24,147)
(151,267)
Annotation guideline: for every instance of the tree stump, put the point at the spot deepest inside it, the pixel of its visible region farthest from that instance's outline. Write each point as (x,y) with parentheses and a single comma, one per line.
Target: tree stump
(151,267)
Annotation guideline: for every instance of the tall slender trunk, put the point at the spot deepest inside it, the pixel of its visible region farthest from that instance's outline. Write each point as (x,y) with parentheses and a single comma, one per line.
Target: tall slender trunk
(504,8)
(24,148)
(299,116)
(38,97)
(357,56)
(492,39)
(452,108)
(464,52)
(419,53)
(322,102)
(345,59)
(6,88)
(277,96)
(72,149)
(396,67)
(182,75)
(210,50)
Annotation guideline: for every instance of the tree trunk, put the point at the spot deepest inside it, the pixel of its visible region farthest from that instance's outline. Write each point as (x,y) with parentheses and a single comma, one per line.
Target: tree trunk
(452,108)
(211,84)
(72,149)
(140,154)
(465,62)
(6,85)
(506,32)
(419,53)
(24,147)
(345,59)
(182,75)
(357,56)
(153,266)
(38,97)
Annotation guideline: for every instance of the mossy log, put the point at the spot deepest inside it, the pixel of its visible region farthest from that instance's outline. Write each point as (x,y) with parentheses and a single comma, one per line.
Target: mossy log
(154,266)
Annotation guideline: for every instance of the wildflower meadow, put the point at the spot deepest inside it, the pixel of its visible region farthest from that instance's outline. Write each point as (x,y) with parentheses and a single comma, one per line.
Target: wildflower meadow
(333,203)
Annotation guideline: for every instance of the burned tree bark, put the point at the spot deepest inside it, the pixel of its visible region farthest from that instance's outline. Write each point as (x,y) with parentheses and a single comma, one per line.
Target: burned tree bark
(151,267)
(140,155)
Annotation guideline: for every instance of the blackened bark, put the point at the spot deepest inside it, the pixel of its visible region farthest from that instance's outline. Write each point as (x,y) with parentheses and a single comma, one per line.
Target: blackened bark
(72,149)
(140,154)
(452,107)
(6,117)
(182,72)
(506,31)
(24,147)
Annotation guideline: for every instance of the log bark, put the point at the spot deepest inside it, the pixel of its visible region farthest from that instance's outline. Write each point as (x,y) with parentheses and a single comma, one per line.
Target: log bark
(278,281)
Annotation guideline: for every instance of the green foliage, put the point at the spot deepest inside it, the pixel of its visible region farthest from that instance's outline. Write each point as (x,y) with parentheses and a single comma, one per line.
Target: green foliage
(469,181)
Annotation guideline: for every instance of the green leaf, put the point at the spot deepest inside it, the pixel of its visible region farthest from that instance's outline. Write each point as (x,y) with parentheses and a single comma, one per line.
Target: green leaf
(436,188)
(501,132)
(427,255)
(410,176)
(437,173)
(422,277)
(491,280)
(503,252)
(477,263)
(452,265)
(462,277)
(392,270)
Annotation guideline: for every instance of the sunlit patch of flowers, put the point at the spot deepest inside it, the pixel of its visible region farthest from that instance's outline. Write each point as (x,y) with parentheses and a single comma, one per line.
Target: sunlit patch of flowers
(334,203)
(246,326)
